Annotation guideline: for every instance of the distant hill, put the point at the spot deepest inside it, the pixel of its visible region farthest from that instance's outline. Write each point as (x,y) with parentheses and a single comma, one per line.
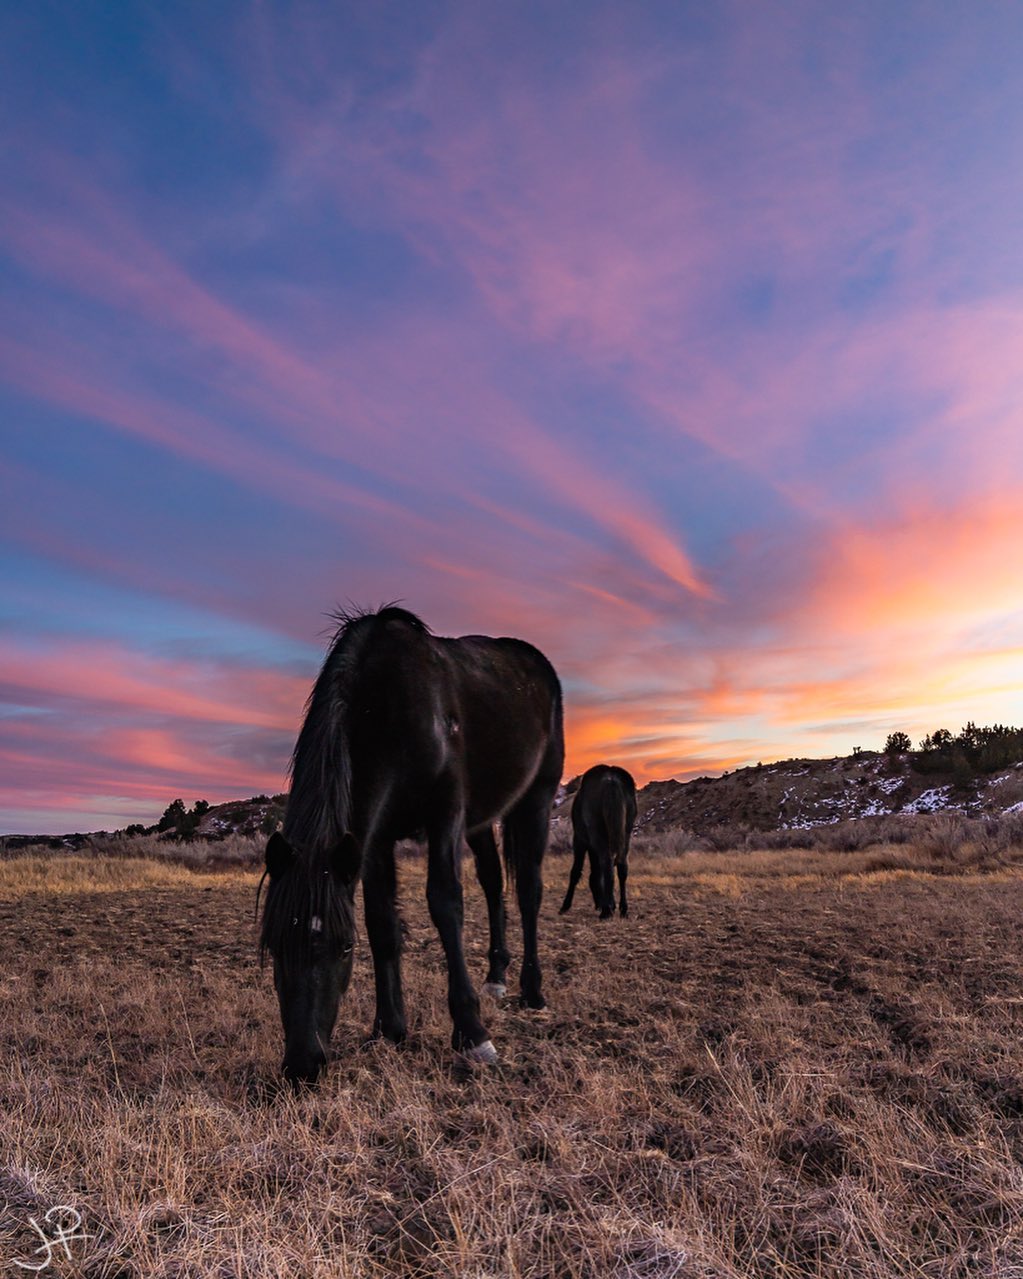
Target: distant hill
(802,793)
(799,794)
(260,815)
(794,794)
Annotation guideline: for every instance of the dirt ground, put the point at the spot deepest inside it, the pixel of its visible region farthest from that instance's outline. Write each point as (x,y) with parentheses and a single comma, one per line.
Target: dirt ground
(756,1074)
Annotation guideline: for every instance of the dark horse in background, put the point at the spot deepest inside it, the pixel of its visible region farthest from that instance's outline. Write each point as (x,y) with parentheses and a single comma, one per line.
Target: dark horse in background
(603,815)
(407,733)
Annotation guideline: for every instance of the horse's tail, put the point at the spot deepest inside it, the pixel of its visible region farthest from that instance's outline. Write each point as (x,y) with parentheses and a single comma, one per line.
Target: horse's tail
(512,851)
(509,854)
(615,824)
(319,805)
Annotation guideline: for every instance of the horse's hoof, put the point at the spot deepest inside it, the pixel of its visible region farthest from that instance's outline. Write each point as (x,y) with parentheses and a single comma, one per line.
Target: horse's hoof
(496,990)
(397,1038)
(534,1003)
(563,910)
(484,1054)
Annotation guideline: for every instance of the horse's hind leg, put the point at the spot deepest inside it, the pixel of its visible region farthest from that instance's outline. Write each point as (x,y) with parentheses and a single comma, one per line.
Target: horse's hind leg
(525,831)
(607,883)
(623,875)
(488,872)
(602,881)
(444,896)
(578,857)
(596,883)
(384,930)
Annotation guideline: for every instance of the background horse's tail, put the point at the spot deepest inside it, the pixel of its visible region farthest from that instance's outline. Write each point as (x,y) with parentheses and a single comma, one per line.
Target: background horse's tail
(615,823)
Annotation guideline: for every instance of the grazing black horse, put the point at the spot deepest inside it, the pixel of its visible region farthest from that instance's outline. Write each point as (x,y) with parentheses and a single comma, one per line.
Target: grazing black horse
(405,733)
(603,814)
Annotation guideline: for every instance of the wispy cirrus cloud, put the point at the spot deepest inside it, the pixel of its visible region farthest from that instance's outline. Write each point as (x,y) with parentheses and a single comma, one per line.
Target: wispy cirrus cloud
(119,677)
(329,415)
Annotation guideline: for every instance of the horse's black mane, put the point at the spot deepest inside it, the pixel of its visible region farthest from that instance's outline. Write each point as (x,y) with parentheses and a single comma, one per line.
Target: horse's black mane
(320,801)
(345,618)
(319,806)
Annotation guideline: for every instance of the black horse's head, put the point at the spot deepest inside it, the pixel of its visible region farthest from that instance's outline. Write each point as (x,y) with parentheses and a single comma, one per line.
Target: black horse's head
(309,929)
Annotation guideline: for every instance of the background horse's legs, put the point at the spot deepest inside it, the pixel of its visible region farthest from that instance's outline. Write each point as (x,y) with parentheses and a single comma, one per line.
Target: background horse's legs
(384,929)
(488,872)
(623,874)
(596,885)
(525,831)
(604,893)
(602,878)
(578,857)
(446,834)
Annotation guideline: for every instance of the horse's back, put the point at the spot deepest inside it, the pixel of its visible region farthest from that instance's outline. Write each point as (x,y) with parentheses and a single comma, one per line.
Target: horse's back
(510,718)
(480,714)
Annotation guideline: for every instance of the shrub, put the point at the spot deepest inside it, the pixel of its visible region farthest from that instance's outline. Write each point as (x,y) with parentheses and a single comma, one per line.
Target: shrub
(173,815)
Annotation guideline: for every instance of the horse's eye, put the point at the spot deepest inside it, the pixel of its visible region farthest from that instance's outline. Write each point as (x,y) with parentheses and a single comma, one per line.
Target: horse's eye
(347,950)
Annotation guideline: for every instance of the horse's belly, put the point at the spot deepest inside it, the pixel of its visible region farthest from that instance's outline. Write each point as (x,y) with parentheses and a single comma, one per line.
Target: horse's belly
(490,794)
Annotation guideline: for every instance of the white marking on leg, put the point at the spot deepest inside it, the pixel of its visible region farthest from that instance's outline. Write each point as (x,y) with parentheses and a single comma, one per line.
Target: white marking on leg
(485,1053)
(497,989)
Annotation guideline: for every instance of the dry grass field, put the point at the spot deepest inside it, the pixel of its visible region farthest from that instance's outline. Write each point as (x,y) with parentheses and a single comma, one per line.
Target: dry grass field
(784,1064)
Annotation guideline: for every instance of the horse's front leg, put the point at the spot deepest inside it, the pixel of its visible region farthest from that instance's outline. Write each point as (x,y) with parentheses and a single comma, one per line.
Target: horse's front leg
(444,897)
(488,872)
(379,895)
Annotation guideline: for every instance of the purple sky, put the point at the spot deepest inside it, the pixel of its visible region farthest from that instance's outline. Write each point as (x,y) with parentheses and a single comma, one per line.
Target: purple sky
(683,340)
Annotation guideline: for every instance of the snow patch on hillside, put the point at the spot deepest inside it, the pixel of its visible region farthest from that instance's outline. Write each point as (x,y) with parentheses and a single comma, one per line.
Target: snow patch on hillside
(801,794)
(931,800)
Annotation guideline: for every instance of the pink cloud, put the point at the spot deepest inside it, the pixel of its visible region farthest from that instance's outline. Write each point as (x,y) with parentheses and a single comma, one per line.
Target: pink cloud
(109,675)
(75,763)
(331,414)
(933,570)
(582,234)
(67,377)
(912,622)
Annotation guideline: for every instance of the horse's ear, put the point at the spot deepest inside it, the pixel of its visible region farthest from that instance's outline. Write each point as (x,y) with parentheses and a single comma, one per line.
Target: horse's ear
(348,859)
(279,855)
